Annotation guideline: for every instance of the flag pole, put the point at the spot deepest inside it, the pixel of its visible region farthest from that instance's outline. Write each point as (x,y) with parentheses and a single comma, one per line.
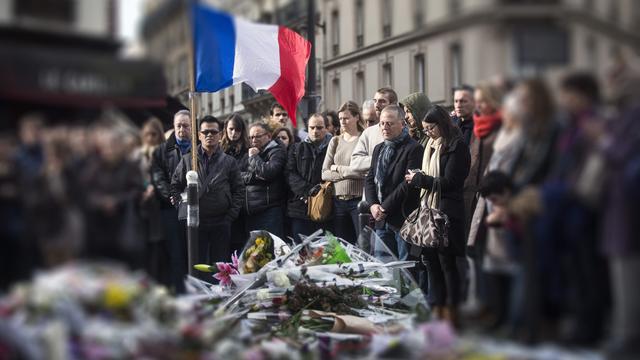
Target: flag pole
(193,212)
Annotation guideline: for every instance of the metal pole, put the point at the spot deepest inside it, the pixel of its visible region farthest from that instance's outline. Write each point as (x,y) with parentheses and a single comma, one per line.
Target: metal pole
(192,176)
(363,220)
(193,220)
(311,36)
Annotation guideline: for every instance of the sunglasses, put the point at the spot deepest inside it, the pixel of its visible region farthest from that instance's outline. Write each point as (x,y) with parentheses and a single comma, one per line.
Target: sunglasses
(207,132)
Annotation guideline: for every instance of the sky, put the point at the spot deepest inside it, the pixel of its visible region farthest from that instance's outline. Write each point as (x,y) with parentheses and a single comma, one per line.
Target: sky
(129,13)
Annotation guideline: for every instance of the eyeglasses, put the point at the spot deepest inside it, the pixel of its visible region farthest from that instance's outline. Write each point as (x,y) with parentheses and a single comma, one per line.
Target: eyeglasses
(257,136)
(212,132)
(429,129)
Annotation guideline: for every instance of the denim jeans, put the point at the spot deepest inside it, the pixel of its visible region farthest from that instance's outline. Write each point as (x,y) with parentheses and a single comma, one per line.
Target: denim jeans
(345,221)
(392,239)
(270,220)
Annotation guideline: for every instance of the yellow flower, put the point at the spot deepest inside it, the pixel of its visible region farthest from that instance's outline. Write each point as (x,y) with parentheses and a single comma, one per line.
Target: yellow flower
(259,241)
(117,296)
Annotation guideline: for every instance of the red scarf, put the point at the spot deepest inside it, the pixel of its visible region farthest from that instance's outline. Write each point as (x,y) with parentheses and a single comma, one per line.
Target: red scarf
(483,125)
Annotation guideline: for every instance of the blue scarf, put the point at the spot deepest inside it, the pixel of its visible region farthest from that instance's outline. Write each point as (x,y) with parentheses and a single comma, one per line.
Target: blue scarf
(319,147)
(384,160)
(183,145)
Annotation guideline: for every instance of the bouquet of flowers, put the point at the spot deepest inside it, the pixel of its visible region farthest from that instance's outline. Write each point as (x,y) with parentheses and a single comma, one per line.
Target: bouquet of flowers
(261,248)
(257,254)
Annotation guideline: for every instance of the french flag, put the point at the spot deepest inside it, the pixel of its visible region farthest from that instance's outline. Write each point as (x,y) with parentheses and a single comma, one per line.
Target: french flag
(229,50)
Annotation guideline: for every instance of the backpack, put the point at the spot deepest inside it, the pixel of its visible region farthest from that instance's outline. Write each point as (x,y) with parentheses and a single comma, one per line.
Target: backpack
(320,206)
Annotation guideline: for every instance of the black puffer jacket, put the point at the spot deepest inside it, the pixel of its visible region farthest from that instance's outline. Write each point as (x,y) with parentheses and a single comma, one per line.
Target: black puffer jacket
(264,179)
(304,171)
(163,163)
(220,186)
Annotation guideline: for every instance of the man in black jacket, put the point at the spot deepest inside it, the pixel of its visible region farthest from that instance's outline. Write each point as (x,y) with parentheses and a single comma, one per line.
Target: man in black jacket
(163,163)
(462,116)
(220,191)
(265,188)
(390,197)
(304,175)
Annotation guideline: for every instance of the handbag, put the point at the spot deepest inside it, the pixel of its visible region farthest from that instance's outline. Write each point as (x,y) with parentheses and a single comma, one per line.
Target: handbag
(427,226)
(320,206)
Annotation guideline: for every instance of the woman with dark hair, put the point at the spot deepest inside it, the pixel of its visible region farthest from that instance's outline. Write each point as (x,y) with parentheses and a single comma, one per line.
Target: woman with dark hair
(348,183)
(235,142)
(235,138)
(284,135)
(446,160)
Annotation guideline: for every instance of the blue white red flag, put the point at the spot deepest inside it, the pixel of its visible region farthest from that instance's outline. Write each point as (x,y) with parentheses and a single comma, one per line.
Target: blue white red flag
(229,50)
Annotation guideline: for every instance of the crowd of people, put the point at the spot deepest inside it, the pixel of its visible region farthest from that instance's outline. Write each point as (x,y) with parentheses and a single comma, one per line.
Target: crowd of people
(540,189)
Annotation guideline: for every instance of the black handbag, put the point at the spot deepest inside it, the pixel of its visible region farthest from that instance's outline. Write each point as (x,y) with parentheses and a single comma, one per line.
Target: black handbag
(427,226)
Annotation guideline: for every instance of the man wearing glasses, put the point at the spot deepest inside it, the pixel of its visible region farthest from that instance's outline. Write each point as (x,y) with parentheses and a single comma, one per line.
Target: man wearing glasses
(265,191)
(220,190)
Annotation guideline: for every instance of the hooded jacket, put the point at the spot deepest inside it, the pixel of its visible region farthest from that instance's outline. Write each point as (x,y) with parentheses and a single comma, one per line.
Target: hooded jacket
(418,103)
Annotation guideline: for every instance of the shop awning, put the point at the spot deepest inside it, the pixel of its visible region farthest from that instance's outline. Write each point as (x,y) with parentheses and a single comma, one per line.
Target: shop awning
(77,78)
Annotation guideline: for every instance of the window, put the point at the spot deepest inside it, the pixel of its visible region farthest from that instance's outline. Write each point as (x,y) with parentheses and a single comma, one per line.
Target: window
(210,104)
(336,93)
(635,16)
(592,52)
(232,100)
(588,5)
(454,7)
(456,65)
(538,46)
(387,79)
(182,72)
(359,95)
(614,11)
(335,32)
(359,23)
(386,18)
(59,11)
(419,70)
(222,104)
(418,13)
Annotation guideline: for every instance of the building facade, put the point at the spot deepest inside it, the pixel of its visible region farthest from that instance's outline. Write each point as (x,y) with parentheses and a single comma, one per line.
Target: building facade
(435,45)
(89,18)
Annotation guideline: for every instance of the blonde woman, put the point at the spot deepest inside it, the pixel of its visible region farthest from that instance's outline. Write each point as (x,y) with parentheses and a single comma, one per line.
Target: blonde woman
(348,183)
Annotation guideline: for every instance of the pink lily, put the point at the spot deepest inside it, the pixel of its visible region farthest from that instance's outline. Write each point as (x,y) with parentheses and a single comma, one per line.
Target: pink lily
(224,273)
(234,259)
